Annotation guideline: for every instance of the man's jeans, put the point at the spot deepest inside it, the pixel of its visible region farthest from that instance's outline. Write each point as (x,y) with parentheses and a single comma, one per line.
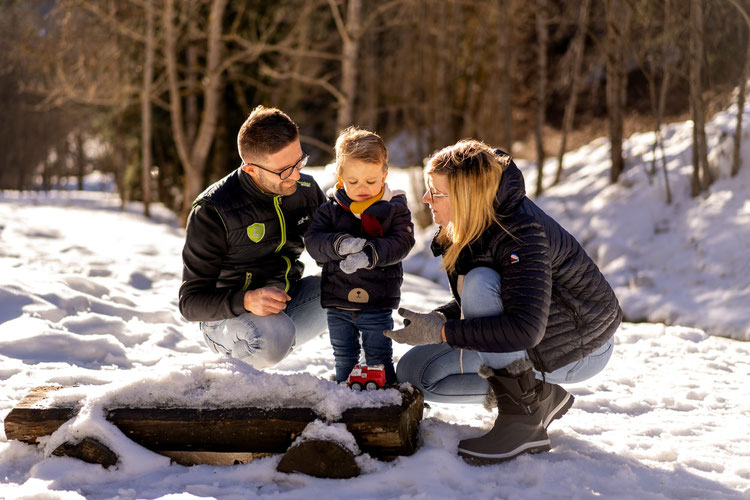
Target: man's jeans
(263,341)
(344,327)
(449,375)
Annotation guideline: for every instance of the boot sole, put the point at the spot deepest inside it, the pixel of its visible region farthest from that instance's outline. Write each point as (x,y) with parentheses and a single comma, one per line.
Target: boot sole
(475,458)
(561,409)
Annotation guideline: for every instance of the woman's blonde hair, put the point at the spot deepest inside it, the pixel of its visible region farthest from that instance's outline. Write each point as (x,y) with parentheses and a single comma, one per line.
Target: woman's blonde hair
(474,171)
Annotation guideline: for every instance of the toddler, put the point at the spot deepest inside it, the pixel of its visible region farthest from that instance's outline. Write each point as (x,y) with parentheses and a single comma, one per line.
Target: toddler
(360,236)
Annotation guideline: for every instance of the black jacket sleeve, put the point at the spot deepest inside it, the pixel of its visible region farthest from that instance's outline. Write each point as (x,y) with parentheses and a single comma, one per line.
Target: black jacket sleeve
(451,310)
(526,288)
(320,241)
(205,247)
(395,245)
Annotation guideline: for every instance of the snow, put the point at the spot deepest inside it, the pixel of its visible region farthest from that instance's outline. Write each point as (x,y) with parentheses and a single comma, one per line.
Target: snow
(338,433)
(88,300)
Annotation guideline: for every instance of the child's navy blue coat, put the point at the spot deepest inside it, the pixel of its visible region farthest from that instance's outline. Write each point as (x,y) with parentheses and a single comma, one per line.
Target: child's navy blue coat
(375,287)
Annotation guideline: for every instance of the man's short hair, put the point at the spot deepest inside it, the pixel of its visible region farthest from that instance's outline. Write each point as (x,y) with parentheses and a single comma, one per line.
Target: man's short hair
(266,131)
(361,145)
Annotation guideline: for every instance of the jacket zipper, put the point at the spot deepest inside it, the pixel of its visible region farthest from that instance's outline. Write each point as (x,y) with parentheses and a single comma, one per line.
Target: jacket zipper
(282,222)
(248,278)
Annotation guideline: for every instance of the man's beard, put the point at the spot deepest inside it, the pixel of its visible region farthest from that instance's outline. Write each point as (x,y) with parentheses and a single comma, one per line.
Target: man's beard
(287,190)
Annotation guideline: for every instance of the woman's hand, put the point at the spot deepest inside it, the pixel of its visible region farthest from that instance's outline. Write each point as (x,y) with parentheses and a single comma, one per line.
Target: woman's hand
(419,328)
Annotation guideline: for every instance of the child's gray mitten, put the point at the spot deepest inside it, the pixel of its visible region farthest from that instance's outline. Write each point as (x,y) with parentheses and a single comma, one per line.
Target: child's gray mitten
(349,245)
(354,261)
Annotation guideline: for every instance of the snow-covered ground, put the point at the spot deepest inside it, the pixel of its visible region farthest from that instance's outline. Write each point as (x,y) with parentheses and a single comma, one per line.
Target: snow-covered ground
(88,297)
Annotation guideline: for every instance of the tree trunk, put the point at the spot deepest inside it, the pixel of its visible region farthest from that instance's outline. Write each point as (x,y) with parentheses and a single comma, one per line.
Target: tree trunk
(80,160)
(191,101)
(46,175)
(506,80)
(577,48)
(615,43)
(701,173)
(541,90)
(470,115)
(662,102)
(350,35)
(148,76)
(737,159)
(193,157)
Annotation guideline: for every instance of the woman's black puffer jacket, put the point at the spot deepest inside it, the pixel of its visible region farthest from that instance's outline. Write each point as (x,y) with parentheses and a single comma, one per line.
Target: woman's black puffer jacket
(557,304)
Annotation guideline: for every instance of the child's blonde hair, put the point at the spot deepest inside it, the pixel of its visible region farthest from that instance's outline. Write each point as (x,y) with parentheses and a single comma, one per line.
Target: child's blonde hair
(360,144)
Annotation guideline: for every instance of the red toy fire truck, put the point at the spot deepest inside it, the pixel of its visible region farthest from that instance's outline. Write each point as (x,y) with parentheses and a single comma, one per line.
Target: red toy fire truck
(367,377)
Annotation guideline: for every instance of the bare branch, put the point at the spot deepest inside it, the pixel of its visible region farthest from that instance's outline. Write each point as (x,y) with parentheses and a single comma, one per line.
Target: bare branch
(320,82)
(109,18)
(340,26)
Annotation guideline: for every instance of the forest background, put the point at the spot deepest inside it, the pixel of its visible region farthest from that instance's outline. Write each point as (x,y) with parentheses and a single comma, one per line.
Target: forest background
(154,91)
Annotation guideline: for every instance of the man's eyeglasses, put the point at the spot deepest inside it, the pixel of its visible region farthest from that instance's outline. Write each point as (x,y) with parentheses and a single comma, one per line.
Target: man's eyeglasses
(286,171)
(435,194)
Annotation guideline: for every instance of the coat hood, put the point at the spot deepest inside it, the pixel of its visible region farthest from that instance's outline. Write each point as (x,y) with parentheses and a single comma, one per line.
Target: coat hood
(511,191)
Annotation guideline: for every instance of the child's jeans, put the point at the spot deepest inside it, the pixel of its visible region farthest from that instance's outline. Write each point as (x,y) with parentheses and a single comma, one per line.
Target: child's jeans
(344,328)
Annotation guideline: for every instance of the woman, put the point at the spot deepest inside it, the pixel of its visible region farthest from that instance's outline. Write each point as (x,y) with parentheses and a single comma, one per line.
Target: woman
(530,307)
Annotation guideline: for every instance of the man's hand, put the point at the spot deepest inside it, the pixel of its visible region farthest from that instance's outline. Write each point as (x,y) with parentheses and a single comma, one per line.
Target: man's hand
(265,301)
(349,244)
(419,328)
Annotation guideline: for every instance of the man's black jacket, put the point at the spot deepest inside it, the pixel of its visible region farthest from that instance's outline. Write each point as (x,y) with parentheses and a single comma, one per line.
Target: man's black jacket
(557,304)
(240,238)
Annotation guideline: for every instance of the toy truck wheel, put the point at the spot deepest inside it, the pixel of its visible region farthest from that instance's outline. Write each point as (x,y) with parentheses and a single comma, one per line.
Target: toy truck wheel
(356,386)
(371,386)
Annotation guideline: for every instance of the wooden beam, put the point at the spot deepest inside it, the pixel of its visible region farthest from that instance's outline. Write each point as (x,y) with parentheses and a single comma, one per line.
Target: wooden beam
(26,423)
(229,435)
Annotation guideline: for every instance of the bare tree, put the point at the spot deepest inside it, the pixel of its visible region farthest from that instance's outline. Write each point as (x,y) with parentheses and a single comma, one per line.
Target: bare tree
(506,79)
(653,53)
(702,177)
(193,156)
(350,33)
(574,77)
(148,76)
(541,90)
(618,20)
(742,84)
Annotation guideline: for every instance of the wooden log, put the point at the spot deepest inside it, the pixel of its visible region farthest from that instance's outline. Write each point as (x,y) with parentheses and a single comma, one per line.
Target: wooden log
(319,458)
(89,450)
(211,457)
(26,423)
(229,435)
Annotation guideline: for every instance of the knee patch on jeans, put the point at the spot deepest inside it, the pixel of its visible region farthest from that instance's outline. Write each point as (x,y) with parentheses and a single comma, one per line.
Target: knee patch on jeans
(270,348)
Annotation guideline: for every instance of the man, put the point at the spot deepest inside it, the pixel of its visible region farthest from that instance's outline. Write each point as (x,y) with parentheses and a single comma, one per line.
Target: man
(242,278)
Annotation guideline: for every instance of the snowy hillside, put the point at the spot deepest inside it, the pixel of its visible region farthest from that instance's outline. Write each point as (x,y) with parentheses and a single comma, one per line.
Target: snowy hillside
(687,263)
(88,297)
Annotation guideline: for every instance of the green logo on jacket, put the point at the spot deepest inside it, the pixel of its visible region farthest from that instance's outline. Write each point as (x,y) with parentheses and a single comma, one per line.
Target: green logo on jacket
(256,232)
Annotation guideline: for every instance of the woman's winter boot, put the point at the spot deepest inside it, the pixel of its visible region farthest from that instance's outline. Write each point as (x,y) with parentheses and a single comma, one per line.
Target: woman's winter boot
(526,406)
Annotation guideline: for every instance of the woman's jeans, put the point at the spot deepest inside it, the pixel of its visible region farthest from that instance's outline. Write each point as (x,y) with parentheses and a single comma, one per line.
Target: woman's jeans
(449,375)
(263,341)
(344,327)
